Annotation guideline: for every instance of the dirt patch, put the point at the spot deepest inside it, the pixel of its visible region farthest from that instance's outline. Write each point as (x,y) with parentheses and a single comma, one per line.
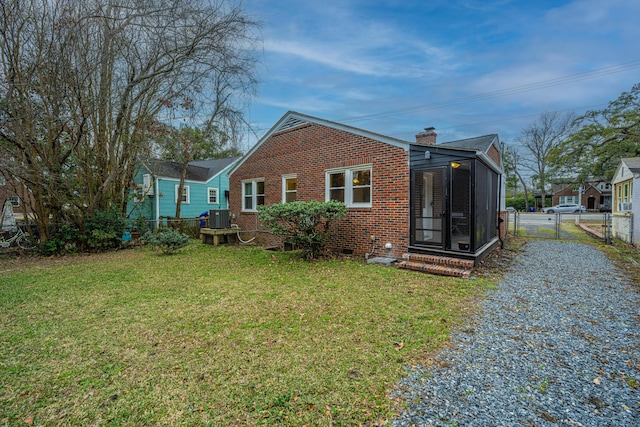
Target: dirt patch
(499,261)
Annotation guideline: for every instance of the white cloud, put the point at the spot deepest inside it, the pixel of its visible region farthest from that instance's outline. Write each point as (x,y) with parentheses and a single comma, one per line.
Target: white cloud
(358,58)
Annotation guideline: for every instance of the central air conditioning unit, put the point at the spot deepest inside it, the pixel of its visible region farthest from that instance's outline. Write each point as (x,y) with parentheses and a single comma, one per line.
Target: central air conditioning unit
(219,218)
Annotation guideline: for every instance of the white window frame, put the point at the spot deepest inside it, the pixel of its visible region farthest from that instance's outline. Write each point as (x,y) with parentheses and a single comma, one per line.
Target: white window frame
(254,194)
(624,192)
(185,193)
(3,181)
(147,185)
(348,185)
(569,200)
(138,195)
(217,193)
(15,201)
(284,186)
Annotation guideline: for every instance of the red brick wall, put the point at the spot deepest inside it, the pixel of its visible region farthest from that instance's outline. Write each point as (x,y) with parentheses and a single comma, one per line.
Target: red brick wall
(12,188)
(571,191)
(494,155)
(595,194)
(567,191)
(309,151)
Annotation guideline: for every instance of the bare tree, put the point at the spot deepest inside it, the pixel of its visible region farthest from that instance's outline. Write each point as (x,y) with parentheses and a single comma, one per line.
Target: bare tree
(513,166)
(187,144)
(538,142)
(85,84)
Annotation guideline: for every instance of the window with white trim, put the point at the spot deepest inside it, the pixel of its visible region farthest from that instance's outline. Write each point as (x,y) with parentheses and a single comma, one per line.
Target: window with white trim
(3,181)
(252,194)
(350,185)
(212,196)
(185,194)
(289,188)
(147,185)
(623,193)
(15,201)
(569,200)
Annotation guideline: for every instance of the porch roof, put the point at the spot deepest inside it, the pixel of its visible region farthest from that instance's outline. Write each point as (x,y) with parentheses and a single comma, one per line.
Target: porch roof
(478,143)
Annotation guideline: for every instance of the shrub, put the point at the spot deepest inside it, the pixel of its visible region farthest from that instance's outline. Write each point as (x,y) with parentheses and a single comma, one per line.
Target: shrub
(305,225)
(104,229)
(518,203)
(141,224)
(64,241)
(166,239)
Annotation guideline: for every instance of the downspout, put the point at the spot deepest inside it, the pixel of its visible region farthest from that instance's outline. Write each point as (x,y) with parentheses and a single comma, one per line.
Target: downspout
(157,220)
(500,220)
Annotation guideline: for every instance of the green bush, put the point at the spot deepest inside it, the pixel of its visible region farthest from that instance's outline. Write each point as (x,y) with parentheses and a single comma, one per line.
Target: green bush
(166,239)
(305,225)
(64,241)
(104,229)
(518,203)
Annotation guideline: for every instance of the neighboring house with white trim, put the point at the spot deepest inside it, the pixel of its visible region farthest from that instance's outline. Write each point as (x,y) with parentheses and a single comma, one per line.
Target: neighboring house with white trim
(154,191)
(625,224)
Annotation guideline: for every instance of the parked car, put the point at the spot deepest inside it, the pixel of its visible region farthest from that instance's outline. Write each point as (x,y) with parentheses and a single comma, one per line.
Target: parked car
(565,208)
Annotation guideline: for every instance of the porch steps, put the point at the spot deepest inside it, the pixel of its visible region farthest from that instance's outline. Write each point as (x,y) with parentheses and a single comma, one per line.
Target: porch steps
(434,264)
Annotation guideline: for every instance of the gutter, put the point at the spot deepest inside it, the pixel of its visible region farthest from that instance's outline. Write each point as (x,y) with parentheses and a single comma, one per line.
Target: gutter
(157,196)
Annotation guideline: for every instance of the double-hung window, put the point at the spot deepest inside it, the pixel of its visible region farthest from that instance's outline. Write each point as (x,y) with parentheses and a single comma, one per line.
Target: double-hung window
(568,200)
(350,185)
(185,194)
(212,196)
(252,194)
(289,188)
(623,192)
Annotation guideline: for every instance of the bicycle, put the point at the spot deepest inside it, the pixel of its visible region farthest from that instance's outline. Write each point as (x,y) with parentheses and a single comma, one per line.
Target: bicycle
(20,237)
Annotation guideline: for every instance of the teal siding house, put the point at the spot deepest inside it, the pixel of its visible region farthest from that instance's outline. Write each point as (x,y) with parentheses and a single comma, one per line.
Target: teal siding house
(155,188)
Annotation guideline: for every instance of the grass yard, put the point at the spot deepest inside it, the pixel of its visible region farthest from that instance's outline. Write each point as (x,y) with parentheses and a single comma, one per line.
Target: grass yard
(214,336)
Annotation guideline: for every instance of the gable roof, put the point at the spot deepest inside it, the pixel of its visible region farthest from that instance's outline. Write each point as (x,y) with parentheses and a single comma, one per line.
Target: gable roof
(294,119)
(478,143)
(199,170)
(625,167)
(633,163)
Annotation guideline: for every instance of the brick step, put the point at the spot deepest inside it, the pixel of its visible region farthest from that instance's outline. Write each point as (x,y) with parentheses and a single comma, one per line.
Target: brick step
(440,269)
(440,260)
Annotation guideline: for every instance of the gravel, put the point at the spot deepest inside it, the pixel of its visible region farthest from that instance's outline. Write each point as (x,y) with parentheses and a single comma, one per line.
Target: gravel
(557,343)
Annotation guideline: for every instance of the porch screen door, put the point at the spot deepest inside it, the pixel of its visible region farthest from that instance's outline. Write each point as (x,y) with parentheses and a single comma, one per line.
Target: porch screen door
(429,209)
(460,208)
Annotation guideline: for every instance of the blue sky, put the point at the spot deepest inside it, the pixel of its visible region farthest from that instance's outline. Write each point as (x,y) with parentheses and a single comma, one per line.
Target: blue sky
(467,68)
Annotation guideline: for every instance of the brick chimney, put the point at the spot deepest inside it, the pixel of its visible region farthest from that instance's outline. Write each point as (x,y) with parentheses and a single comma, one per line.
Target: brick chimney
(428,137)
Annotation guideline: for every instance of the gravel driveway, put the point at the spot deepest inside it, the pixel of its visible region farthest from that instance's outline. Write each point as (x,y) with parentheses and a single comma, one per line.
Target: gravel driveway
(557,344)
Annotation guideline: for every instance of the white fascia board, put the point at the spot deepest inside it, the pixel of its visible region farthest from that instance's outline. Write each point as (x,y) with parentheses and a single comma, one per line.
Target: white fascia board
(621,173)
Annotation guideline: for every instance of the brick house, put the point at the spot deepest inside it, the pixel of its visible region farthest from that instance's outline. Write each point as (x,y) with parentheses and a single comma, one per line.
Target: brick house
(594,195)
(402,197)
(18,194)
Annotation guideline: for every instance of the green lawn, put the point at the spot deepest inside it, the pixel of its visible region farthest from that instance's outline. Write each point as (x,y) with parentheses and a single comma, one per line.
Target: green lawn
(214,336)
